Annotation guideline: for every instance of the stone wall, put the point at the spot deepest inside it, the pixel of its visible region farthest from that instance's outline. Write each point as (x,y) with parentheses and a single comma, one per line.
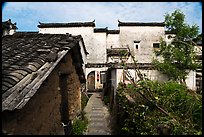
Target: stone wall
(41,115)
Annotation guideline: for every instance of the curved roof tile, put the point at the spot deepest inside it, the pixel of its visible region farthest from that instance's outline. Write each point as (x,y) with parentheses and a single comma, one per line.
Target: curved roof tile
(10,80)
(24,66)
(74,24)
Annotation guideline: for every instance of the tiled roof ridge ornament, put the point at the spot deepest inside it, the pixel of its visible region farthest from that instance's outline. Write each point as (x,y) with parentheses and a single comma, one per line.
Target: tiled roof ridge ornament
(93,21)
(9,21)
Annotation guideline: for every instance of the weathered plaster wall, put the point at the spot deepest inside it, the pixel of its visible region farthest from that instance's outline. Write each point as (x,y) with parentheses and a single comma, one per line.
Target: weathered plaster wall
(147,35)
(117,77)
(113,40)
(99,48)
(85,32)
(84,56)
(98,84)
(41,115)
(96,42)
(191,80)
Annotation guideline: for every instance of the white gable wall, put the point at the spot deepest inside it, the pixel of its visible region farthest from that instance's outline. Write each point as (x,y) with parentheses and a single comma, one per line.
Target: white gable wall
(113,40)
(98,51)
(97,43)
(147,35)
(85,32)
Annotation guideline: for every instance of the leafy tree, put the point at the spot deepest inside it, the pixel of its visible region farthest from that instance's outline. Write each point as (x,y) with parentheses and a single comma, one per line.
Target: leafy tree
(178,56)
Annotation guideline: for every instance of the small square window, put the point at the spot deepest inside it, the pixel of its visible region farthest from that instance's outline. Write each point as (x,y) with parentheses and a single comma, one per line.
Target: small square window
(155,45)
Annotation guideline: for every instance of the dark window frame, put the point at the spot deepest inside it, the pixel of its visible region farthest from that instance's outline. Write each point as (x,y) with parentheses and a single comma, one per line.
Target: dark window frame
(156,45)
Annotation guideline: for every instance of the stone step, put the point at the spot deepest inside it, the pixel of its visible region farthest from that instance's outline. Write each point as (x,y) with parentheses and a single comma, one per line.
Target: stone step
(97,113)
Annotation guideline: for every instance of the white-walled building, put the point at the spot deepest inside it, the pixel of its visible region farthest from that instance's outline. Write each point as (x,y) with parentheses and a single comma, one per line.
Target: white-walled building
(104,47)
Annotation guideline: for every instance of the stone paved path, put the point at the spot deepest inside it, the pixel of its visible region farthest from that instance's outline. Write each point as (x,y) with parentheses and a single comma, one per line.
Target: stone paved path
(98,116)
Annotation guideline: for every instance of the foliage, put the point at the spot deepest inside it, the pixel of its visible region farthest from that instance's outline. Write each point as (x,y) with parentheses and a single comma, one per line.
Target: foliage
(80,124)
(178,56)
(84,100)
(142,118)
(106,100)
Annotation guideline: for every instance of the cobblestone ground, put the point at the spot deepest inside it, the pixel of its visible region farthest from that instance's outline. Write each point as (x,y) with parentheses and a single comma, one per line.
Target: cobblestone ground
(98,116)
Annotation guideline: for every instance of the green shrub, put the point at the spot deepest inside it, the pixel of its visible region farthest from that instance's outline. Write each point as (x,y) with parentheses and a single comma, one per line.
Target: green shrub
(106,100)
(142,118)
(79,125)
(84,100)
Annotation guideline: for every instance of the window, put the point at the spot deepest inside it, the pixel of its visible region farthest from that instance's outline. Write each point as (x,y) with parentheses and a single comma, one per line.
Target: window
(136,45)
(155,45)
(103,77)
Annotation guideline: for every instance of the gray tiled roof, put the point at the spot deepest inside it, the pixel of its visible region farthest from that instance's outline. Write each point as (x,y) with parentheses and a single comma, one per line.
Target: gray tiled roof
(74,24)
(113,31)
(140,23)
(100,29)
(27,59)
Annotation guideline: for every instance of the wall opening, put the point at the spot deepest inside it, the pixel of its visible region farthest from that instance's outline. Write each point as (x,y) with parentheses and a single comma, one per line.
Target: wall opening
(91,81)
(64,106)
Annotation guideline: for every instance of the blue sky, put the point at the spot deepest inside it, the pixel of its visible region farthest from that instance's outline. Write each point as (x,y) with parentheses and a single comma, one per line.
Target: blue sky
(106,14)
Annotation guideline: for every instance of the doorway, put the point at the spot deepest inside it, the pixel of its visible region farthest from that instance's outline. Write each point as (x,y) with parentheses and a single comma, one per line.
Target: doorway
(91,81)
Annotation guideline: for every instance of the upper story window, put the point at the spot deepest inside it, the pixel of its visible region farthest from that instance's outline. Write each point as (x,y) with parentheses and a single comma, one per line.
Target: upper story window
(156,46)
(136,45)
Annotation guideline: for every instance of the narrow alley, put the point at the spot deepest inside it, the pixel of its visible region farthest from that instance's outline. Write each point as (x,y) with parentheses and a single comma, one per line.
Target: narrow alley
(98,116)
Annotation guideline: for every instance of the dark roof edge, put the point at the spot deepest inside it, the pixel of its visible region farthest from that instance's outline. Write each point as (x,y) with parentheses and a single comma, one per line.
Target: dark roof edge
(100,29)
(82,40)
(27,32)
(170,32)
(140,23)
(74,24)
(113,31)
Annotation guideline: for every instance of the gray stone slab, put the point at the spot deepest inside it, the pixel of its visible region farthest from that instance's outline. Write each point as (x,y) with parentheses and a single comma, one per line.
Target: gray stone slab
(97,111)
(96,114)
(97,125)
(96,119)
(96,108)
(96,132)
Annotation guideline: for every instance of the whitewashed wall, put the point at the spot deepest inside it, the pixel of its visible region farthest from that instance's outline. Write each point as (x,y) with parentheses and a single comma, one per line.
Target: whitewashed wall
(113,40)
(117,77)
(12,31)
(168,39)
(147,35)
(84,56)
(97,83)
(85,32)
(99,54)
(97,43)
(191,80)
